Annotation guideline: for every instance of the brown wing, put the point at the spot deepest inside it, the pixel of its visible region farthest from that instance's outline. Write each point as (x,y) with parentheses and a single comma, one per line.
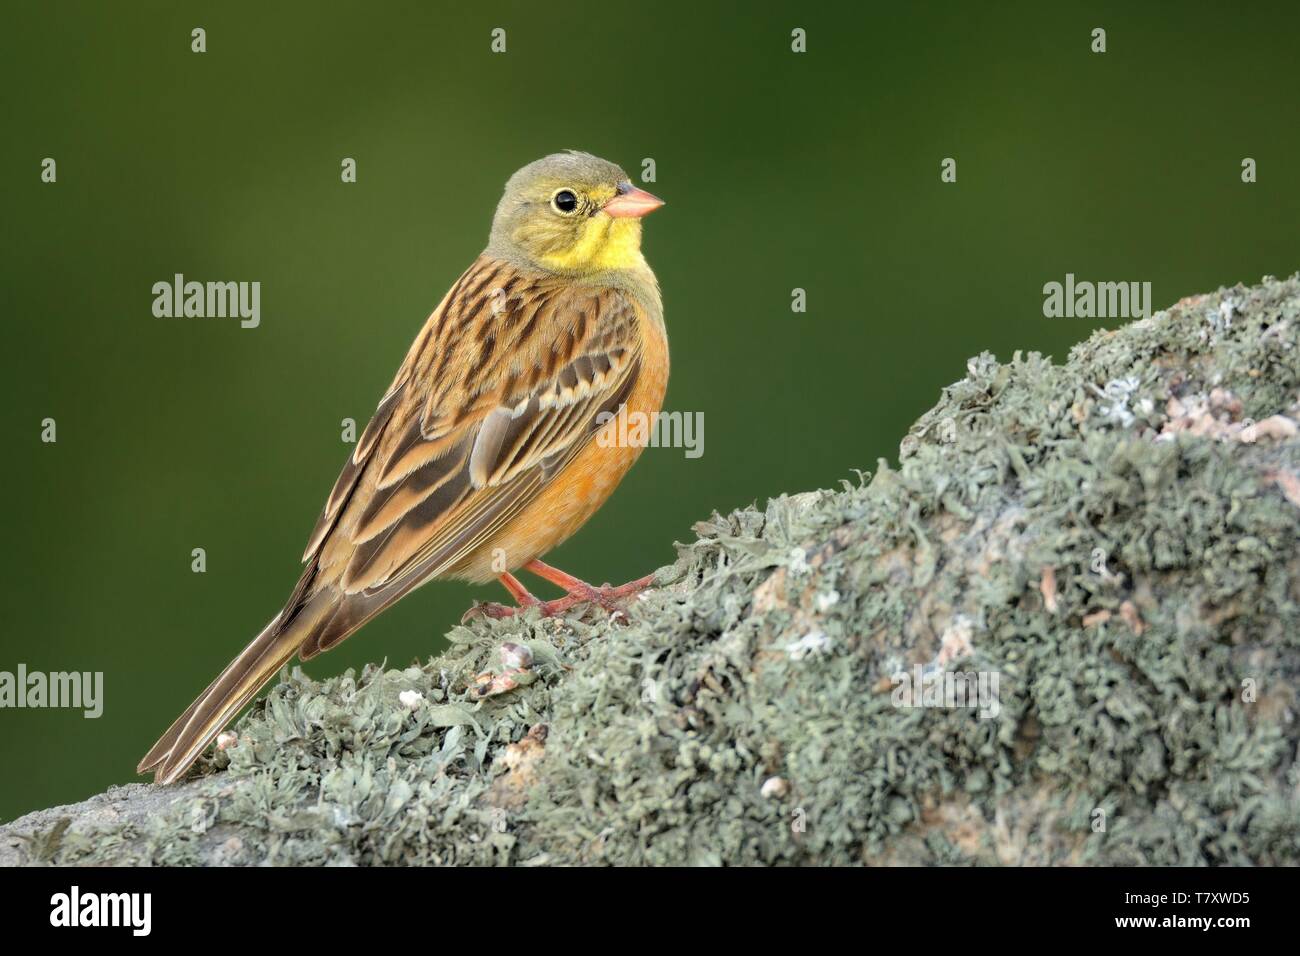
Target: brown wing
(500,390)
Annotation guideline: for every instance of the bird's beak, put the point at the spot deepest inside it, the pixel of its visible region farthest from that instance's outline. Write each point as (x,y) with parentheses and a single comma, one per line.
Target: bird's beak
(632,203)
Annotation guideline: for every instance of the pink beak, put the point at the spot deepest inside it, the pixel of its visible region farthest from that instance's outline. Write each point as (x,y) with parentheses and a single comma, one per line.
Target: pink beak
(632,203)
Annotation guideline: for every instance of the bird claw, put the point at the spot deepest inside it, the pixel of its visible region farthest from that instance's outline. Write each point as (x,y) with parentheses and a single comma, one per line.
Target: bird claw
(606,597)
(499,612)
(489,609)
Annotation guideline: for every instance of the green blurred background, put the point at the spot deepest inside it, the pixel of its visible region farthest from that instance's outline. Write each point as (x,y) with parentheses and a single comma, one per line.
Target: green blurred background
(818,171)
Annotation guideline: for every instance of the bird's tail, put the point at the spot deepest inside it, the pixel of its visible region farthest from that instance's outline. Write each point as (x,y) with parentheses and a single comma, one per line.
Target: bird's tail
(192,731)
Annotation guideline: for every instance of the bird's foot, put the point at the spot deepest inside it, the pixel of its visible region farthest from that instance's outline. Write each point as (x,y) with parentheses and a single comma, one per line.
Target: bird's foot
(501,611)
(604,596)
(578,592)
(523,601)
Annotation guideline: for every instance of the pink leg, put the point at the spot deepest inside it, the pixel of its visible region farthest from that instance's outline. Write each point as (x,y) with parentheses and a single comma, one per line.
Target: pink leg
(604,595)
(577,592)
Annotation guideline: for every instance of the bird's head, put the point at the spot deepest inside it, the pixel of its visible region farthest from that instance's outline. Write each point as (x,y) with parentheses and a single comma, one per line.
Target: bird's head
(572,213)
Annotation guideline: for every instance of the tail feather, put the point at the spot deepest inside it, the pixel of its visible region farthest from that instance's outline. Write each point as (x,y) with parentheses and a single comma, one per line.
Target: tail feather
(226,696)
(321,620)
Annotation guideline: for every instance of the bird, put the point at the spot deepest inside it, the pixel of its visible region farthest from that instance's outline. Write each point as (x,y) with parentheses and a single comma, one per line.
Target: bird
(486,450)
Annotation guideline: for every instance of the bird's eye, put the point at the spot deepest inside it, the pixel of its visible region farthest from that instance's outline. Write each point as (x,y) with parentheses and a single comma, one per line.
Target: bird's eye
(564,201)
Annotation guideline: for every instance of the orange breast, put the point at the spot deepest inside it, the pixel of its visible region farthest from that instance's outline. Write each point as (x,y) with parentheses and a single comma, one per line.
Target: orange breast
(574,495)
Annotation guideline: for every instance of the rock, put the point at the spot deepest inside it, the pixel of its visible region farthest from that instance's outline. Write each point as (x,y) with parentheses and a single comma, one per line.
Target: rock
(1065,629)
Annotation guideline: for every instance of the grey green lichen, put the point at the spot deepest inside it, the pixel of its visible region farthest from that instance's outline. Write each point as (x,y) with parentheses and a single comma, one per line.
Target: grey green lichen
(1112,537)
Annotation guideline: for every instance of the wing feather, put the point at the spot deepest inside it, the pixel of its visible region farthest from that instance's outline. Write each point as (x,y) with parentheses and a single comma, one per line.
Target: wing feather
(502,389)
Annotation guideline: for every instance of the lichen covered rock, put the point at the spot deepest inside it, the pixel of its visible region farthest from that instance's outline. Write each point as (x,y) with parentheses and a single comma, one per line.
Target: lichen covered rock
(1108,549)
